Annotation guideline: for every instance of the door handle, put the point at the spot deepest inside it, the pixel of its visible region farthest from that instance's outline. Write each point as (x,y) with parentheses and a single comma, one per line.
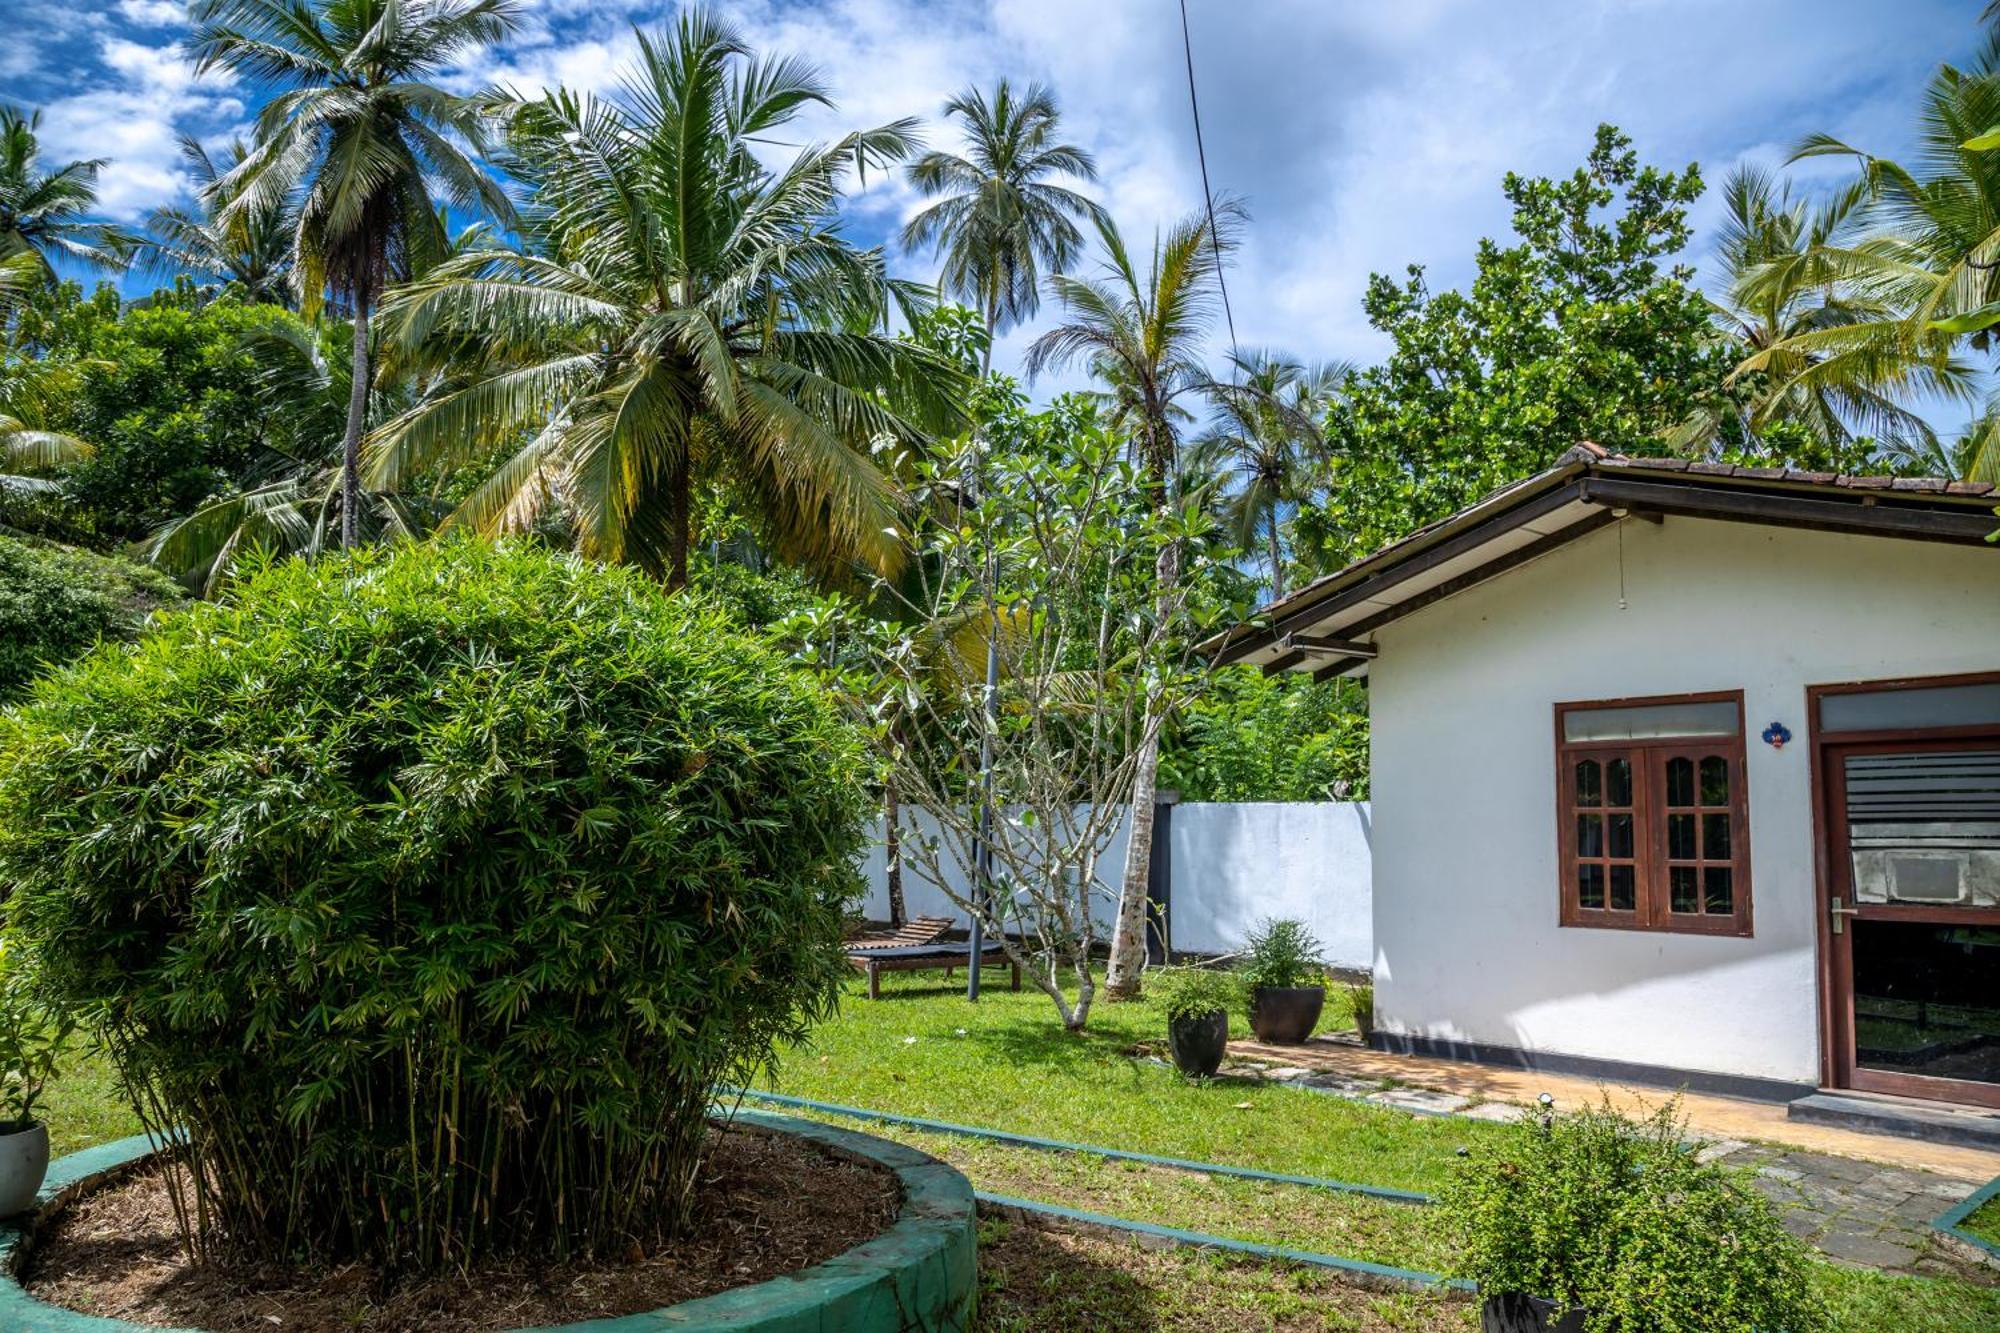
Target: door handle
(1838,909)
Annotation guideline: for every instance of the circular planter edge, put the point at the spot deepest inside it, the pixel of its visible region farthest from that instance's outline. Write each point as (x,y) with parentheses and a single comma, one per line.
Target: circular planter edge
(918,1276)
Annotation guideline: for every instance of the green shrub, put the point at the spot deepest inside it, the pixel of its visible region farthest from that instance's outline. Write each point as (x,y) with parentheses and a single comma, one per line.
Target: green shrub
(1618,1216)
(1193,992)
(433,892)
(1282,953)
(55,603)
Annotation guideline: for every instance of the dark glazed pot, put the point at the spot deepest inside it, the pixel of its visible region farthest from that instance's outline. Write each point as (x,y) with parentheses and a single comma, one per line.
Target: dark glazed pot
(1514,1313)
(1197,1043)
(1285,1014)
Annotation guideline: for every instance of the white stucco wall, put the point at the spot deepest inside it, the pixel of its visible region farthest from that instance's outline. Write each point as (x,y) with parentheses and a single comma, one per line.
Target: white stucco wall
(1467,945)
(1234,864)
(923,897)
(1239,862)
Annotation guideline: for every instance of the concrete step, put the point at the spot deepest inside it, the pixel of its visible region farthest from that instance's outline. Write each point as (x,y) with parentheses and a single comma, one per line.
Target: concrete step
(1902,1116)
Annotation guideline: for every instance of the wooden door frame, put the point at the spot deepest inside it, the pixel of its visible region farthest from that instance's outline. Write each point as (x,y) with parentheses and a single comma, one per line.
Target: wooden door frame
(1836,1017)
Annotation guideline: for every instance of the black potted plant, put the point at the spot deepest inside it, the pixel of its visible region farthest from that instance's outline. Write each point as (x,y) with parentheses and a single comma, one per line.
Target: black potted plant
(1286,981)
(1593,1222)
(1196,1001)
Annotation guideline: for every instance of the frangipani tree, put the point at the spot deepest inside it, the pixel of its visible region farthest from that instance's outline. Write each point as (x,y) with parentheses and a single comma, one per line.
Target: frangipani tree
(1053,562)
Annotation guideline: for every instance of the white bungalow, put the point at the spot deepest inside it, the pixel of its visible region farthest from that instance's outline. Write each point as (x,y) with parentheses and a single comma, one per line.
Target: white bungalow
(1686,774)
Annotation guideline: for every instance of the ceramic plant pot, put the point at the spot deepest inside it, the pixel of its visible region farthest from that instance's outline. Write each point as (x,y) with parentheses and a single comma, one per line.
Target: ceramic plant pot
(1285,1014)
(24,1161)
(1197,1043)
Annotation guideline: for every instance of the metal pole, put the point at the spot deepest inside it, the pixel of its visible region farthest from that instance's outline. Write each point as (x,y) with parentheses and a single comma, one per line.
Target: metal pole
(983,862)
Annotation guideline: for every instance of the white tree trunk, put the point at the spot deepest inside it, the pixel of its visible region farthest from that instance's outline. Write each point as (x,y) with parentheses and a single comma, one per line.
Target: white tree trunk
(1128,932)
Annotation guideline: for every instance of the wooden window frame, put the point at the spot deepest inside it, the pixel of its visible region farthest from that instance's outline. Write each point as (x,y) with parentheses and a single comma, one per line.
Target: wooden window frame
(1651,862)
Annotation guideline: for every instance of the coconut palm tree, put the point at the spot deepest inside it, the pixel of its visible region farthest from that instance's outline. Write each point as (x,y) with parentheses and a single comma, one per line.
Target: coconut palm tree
(1267,447)
(1001,219)
(355,144)
(1143,336)
(1814,346)
(44,212)
(294,500)
(681,314)
(249,252)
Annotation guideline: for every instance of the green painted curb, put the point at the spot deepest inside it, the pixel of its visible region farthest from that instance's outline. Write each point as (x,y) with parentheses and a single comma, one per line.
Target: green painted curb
(919,1276)
(1952,1220)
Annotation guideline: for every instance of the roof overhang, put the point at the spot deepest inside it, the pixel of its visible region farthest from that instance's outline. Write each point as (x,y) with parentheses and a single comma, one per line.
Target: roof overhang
(1325,627)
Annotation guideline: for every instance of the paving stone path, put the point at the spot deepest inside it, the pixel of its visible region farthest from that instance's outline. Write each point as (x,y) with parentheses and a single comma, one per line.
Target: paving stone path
(1852,1211)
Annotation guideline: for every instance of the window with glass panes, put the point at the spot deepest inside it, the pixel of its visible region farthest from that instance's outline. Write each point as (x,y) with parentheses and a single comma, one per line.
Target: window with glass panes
(1653,814)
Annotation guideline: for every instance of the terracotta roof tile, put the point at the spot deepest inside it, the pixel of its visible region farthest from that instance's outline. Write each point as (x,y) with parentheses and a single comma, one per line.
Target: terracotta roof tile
(1866,483)
(1968,488)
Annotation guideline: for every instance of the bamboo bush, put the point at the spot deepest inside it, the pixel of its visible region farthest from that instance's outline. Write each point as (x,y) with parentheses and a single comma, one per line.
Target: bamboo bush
(432,893)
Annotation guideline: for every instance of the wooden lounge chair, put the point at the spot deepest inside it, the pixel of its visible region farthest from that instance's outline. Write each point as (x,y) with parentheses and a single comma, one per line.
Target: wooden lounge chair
(923,958)
(923,930)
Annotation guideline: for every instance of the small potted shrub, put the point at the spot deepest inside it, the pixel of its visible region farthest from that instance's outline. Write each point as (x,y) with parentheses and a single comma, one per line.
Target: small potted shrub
(1593,1222)
(1287,990)
(1197,1001)
(1361,1003)
(31,1041)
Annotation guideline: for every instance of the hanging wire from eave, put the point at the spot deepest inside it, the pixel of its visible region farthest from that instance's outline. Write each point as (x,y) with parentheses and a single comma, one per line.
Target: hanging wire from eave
(1208,195)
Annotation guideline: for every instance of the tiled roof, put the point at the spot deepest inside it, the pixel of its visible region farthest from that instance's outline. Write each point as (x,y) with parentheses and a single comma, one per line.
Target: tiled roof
(1599,457)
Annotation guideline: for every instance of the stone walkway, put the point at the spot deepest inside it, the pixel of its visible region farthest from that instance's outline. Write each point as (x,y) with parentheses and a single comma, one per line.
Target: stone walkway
(1853,1210)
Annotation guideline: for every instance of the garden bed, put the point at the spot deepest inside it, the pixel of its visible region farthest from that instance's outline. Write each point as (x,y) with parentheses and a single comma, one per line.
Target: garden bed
(842,1211)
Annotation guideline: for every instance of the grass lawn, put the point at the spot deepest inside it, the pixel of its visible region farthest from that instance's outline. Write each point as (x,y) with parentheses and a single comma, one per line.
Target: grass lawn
(1004,1064)
(1985,1223)
(923,1051)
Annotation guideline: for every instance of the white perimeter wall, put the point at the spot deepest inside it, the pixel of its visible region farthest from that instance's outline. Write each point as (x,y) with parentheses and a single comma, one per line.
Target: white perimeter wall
(1463,749)
(1237,863)
(1233,865)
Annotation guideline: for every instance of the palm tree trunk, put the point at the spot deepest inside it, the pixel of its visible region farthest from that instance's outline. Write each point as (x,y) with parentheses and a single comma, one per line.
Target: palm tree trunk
(1277,568)
(357,421)
(892,848)
(679,504)
(1128,932)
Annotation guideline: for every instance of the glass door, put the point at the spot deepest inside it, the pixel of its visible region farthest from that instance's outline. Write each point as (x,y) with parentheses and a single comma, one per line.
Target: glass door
(1914,916)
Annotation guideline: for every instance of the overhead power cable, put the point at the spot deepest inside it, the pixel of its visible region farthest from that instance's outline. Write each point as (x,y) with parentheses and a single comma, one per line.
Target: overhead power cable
(1208,194)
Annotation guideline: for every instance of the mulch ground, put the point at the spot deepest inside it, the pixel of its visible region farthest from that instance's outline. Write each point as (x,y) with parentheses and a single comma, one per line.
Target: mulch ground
(774,1205)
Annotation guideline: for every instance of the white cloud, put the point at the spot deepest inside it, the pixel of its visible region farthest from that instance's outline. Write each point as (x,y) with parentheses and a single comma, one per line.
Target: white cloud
(133,118)
(154,13)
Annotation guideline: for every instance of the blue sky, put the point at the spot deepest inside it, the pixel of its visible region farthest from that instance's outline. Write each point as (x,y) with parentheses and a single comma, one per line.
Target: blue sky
(1364,136)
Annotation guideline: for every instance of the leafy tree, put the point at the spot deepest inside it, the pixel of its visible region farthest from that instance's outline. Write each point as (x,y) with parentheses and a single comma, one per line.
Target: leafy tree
(1143,338)
(247,251)
(167,393)
(360,140)
(1252,737)
(1269,440)
(44,211)
(1001,220)
(1587,328)
(682,315)
(455,882)
(56,603)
